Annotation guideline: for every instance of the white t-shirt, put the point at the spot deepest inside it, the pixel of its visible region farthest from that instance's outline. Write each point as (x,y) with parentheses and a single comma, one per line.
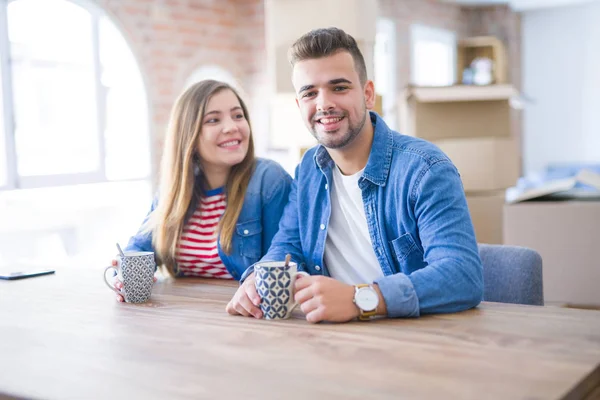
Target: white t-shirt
(349,253)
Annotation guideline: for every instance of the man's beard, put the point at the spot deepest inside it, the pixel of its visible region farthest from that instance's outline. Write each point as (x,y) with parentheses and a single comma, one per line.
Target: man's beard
(351,134)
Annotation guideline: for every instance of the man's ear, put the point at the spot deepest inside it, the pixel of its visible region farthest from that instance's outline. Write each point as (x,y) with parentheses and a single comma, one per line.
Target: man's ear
(369,92)
(298,104)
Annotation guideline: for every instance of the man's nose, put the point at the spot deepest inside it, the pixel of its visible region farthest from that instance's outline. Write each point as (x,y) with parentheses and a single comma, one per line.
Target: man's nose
(325,102)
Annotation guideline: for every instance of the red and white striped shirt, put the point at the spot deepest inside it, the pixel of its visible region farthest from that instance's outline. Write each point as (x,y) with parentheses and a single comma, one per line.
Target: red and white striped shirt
(197,253)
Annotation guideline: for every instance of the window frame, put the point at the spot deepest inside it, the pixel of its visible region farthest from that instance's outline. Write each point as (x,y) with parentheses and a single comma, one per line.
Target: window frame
(7,102)
(386,27)
(14,180)
(421,32)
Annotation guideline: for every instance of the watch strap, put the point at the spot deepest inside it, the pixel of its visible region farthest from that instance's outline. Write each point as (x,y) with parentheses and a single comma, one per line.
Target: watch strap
(365,315)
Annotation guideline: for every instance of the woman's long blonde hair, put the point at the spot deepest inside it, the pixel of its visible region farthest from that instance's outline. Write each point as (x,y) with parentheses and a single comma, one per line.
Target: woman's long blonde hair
(179,184)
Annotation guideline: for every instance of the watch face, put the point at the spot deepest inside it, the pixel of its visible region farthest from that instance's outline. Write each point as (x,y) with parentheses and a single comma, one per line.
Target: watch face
(367,299)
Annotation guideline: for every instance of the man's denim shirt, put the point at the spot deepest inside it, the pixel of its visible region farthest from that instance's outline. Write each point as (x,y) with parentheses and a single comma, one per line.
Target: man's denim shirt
(418,222)
(266,196)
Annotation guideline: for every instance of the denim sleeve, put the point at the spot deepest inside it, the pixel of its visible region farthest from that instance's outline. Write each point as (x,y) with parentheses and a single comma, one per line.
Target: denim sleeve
(287,238)
(452,281)
(273,206)
(142,241)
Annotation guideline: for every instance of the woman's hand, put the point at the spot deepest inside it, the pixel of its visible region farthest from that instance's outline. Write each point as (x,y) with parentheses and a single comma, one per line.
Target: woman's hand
(119,285)
(246,300)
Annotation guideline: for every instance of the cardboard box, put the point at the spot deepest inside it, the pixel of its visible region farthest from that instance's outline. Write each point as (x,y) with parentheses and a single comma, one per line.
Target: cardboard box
(486,210)
(567,235)
(482,46)
(434,113)
(484,164)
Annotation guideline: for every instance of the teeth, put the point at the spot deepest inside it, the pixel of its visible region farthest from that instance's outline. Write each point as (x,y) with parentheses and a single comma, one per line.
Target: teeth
(330,120)
(229,144)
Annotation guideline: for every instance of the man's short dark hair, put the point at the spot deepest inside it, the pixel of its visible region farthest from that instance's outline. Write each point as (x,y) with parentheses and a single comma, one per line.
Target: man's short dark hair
(325,42)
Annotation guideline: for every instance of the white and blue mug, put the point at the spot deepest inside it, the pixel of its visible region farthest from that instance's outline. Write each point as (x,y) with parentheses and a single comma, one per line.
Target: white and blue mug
(275,285)
(136,271)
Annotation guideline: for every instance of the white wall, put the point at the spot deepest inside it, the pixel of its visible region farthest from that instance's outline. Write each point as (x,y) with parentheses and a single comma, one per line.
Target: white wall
(520,5)
(561,73)
(523,5)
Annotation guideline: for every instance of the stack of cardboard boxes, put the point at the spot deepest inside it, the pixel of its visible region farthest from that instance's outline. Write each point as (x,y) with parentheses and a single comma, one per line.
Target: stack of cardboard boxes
(567,236)
(472,125)
(560,219)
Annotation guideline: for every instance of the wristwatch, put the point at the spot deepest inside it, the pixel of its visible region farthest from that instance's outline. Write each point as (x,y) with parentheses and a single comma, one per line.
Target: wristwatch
(367,300)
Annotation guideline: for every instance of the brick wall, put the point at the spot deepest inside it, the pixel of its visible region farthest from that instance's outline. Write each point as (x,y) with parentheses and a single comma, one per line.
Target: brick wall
(499,21)
(427,12)
(502,22)
(173,38)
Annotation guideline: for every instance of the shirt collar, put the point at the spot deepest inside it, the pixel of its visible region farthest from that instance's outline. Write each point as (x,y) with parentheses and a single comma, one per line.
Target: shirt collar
(380,157)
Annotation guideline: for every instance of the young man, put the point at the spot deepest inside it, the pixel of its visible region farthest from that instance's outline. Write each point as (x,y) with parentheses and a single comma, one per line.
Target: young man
(378,219)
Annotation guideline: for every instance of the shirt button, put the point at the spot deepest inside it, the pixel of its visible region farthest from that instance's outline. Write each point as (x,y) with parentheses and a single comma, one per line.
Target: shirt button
(246,231)
(322,227)
(317,268)
(326,186)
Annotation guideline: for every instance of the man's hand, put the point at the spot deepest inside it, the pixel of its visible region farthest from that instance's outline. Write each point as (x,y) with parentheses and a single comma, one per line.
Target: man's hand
(325,299)
(246,300)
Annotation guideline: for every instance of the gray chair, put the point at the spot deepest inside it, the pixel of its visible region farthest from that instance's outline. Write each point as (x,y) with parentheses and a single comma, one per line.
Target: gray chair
(512,274)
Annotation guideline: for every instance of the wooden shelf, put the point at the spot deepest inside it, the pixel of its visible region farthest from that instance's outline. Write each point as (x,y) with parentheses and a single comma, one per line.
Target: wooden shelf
(483,46)
(461,93)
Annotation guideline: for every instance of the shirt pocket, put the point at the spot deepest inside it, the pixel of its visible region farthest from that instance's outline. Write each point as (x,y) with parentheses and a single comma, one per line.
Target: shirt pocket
(250,238)
(407,252)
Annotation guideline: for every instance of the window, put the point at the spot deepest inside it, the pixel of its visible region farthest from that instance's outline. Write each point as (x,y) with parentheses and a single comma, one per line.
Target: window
(5,145)
(75,95)
(385,69)
(433,56)
(3,138)
(126,130)
(74,135)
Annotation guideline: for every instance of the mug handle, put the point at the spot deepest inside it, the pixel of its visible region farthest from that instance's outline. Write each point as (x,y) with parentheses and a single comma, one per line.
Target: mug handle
(111,287)
(294,304)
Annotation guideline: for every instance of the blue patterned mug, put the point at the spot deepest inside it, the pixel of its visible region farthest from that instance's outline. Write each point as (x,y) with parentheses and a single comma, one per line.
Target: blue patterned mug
(136,271)
(275,285)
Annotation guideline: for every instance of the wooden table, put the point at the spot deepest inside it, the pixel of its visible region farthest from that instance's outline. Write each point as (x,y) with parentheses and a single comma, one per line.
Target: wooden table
(64,336)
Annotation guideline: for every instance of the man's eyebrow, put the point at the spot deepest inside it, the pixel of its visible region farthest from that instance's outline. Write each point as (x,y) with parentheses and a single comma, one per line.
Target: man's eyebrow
(305,87)
(339,80)
(331,82)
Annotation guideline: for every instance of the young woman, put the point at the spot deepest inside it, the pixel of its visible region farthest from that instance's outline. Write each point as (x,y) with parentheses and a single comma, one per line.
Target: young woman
(218,206)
